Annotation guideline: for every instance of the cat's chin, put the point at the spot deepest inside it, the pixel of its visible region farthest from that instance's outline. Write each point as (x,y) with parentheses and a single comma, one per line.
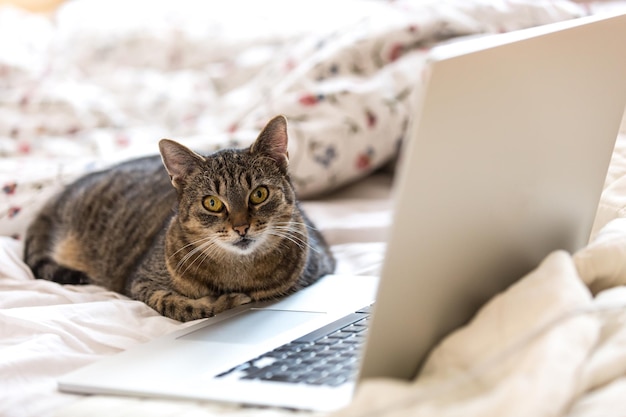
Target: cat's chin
(243,243)
(242,246)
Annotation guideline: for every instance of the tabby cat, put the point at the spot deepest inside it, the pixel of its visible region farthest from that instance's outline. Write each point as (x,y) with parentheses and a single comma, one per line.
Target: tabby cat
(228,232)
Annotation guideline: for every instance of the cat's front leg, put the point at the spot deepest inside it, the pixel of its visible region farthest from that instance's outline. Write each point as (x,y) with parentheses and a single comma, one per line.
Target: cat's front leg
(210,306)
(182,308)
(174,305)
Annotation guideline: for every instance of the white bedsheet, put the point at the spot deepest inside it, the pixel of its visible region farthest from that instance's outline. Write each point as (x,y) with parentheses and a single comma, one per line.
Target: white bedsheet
(545,347)
(48,329)
(553,344)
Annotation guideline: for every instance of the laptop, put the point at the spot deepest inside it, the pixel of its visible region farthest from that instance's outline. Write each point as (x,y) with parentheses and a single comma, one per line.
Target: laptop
(504,162)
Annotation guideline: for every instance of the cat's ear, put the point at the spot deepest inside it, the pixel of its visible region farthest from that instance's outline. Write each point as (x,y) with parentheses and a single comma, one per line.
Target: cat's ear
(179,160)
(272,141)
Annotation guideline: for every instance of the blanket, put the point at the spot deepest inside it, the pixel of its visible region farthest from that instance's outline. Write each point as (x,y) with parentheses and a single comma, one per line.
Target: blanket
(95,83)
(102,82)
(544,347)
(553,344)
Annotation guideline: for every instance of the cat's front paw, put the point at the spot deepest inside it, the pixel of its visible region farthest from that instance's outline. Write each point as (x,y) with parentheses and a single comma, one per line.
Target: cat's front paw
(210,306)
(233,299)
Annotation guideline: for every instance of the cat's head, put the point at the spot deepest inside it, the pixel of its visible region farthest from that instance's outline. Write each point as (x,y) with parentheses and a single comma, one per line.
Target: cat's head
(235,200)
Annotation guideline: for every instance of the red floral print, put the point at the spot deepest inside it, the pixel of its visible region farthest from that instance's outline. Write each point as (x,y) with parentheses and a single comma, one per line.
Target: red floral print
(371,119)
(14,211)
(9,188)
(364,159)
(396,52)
(309,100)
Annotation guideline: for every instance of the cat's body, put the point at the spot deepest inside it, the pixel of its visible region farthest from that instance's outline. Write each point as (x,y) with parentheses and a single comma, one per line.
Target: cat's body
(228,231)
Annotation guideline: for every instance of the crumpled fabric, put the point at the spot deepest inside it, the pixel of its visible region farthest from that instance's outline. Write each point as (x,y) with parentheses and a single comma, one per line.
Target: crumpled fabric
(544,347)
(101,82)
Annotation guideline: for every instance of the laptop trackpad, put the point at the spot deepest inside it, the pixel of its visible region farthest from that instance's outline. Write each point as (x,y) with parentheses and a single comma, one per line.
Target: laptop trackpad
(252,326)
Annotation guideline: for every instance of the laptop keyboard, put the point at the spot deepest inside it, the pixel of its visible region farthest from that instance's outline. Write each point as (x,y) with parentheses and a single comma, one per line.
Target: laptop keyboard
(327,356)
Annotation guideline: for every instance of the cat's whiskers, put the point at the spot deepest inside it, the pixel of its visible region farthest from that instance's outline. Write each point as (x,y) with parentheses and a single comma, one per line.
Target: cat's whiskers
(297,234)
(289,232)
(206,247)
(194,243)
(294,227)
(293,235)
(200,246)
(294,223)
(284,243)
(204,252)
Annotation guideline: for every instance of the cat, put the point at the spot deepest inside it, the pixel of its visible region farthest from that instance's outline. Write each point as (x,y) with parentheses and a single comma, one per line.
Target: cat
(203,235)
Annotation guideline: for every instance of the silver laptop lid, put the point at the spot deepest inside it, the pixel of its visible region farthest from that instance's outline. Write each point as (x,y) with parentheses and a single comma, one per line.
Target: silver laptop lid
(504,164)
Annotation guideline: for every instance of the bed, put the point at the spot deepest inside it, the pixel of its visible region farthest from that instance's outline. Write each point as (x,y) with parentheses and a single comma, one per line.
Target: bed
(91,83)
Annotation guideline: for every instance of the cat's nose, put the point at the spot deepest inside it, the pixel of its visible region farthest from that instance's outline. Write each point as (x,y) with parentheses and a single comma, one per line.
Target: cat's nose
(242,230)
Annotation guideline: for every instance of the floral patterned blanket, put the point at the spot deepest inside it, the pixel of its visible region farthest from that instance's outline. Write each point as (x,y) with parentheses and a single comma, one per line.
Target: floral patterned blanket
(99,82)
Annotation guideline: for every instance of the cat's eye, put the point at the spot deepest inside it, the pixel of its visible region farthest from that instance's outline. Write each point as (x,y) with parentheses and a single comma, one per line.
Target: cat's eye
(259,195)
(213,204)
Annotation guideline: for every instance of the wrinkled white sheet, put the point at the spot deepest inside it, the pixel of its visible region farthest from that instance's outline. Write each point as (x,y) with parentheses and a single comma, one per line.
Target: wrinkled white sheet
(553,344)
(544,347)
(47,329)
